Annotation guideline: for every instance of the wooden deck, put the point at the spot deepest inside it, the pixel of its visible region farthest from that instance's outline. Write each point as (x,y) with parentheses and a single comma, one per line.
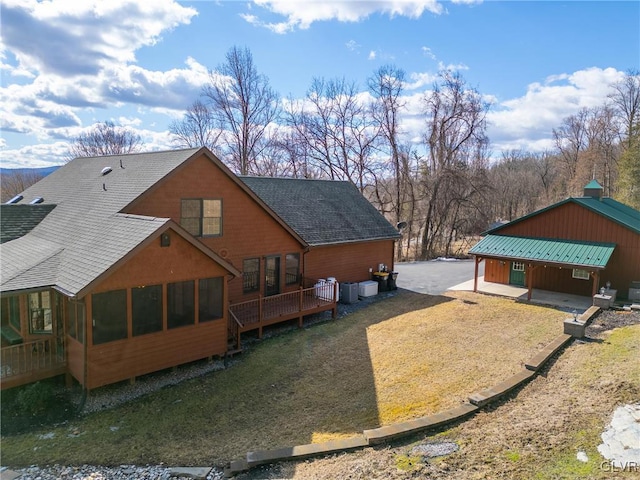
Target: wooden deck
(264,311)
(30,362)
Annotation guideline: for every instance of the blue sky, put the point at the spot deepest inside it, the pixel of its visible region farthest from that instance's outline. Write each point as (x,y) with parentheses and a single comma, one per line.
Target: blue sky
(66,65)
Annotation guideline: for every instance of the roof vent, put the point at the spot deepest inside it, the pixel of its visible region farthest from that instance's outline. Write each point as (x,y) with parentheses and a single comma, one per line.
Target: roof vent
(15,199)
(593,190)
(106,171)
(36,200)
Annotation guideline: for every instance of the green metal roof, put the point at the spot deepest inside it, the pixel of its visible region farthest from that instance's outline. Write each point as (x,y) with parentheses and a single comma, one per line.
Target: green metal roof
(609,208)
(592,185)
(562,252)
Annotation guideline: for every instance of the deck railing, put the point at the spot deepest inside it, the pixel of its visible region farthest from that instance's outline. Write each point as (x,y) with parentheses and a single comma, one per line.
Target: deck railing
(28,358)
(263,311)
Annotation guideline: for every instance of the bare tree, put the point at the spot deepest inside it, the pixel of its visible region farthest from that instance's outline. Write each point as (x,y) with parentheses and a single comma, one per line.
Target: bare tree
(386,86)
(337,131)
(196,129)
(243,106)
(105,139)
(455,139)
(629,180)
(626,102)
(571,140)
(14,182)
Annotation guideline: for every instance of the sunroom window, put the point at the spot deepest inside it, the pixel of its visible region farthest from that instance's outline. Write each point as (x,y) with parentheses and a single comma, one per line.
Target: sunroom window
(40,313)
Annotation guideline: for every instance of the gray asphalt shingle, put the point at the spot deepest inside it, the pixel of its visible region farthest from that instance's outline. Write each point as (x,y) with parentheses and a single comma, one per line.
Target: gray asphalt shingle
(323,212)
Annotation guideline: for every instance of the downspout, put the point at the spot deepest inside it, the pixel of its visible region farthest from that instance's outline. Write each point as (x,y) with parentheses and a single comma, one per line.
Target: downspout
(304,264)
(85,370)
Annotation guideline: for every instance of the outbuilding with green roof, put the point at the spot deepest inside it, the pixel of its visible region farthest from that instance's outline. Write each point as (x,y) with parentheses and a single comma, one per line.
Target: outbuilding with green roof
(575,246)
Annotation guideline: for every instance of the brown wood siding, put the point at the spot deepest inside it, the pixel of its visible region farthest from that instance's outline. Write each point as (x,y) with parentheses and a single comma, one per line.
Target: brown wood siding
(124,359)
(574,222)
(496,271)
(348,262)
(248,231)
(75,359)
(155,265)
(558,279)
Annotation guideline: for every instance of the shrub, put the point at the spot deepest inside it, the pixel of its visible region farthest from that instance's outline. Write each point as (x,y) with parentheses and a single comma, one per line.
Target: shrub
(35,399)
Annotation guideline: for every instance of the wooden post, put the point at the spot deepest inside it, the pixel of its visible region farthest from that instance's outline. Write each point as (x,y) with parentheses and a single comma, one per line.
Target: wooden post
(596,281)
(529,276)
(300,307)
(260,317)
(475,274)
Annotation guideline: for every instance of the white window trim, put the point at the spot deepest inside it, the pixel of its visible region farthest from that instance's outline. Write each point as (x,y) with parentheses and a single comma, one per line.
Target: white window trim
(580,274)
(518,266)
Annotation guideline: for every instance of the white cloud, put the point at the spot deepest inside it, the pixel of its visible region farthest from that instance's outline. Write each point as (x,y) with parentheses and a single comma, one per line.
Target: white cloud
(372,55)
(59,84)
(452,67)
(428,53)
(102,33)
(301,14)
(419,80)
(353,45)
(526,122)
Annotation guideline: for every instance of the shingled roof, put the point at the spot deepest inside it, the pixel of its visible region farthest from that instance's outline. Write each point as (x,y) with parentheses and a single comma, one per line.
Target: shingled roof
(86,234)
(323,212)
(86,231)
(18,220)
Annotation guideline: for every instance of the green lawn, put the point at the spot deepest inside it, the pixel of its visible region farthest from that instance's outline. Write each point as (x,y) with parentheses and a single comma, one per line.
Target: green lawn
(406,356)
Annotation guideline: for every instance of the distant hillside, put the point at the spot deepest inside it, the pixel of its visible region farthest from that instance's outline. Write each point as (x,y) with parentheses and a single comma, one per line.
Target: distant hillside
(15,180)
(42,172)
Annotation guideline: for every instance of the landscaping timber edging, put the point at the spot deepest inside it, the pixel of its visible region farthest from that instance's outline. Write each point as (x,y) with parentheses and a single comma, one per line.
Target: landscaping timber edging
(392,432)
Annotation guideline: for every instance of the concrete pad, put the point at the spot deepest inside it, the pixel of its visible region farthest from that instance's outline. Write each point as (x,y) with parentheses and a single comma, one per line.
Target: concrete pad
(397,430)
(7,474)
(565,301)
(547,352)
(573,328)
(300,452)
(488,395)
(236,467)
(190,472)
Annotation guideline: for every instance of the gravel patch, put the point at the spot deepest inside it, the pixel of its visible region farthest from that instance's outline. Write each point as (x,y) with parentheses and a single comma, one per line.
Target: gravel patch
(610,319)
(122,472)
(435,449)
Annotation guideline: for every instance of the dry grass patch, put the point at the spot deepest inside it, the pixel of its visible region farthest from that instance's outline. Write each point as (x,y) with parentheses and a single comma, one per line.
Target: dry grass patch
(535,435)
(406,356)
(432,359)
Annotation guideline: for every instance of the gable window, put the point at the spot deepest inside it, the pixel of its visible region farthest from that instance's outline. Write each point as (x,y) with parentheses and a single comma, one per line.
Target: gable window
(210,299)
(109,315)
(146,305)
(40,319)
(201,217)
(580,274)
(292,268)
(251,275)
(181,302)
